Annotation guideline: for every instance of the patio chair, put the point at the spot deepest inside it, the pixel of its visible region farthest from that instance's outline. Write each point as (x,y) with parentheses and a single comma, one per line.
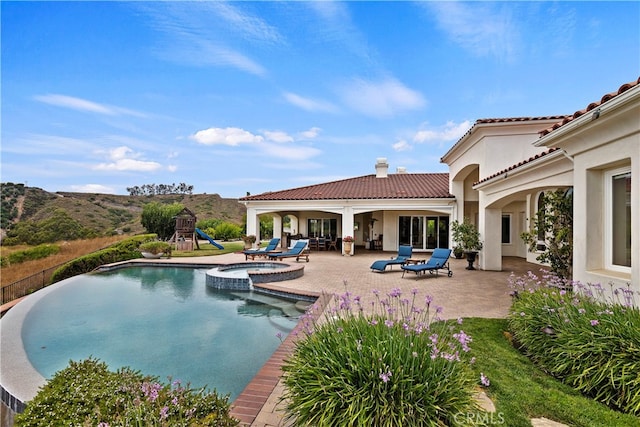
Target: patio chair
(333,244)
(439,260)
(297,252)
(253,253)
(404,253)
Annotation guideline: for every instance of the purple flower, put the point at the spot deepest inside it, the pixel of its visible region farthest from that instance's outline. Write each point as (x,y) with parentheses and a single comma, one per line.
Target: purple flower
(388,323)
(463,339)
(164,412)
(385,376)
(151,391)
(484,380)
(594,322)
(395,293)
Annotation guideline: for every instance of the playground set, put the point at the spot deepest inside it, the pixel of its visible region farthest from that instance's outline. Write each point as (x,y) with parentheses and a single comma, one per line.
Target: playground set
(186,233)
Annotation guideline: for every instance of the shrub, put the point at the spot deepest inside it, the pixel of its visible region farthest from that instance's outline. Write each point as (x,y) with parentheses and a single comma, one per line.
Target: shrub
(395,366)
(121,251)
(156,247)
(37,252)
(591,345)
(228,231)
(88,393)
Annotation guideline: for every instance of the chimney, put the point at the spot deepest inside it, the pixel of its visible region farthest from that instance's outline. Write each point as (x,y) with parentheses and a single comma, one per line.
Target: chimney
(382,167)
(401,169)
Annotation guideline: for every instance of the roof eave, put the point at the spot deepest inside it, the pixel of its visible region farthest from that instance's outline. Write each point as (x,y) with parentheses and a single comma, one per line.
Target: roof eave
(525,168)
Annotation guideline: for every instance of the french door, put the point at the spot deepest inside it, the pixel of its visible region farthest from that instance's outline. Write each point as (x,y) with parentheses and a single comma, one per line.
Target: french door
(424,232)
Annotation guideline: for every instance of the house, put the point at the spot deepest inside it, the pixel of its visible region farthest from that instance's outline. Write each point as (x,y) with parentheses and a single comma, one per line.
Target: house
(390,209)
(497,173)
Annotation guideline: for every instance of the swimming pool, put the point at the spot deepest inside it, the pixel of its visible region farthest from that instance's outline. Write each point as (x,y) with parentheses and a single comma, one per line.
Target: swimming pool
(163,321)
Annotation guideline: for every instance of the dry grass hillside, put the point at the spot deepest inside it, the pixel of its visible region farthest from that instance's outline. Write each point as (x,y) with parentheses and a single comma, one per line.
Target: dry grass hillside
(107,213)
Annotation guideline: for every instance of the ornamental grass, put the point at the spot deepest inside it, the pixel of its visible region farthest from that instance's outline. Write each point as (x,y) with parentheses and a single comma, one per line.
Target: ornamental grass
(580,336)
(390,362)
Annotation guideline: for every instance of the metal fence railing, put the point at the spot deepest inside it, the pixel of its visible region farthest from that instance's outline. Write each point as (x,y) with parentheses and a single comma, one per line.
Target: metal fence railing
(28,285)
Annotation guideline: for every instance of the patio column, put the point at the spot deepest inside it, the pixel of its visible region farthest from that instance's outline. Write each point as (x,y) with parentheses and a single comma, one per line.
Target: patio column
(457,190)
(490,227)
(347,226)
(252,223)
(277,228)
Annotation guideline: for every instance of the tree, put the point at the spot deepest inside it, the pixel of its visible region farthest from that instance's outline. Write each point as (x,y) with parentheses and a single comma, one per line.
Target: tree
(554,220)
(160,189)
(266,226)
(160,218)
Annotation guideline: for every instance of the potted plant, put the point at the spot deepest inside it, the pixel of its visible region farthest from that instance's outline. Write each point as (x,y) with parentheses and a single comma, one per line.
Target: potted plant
(467,238)
(458,252)
(155,249)
(249,240)
(347,244)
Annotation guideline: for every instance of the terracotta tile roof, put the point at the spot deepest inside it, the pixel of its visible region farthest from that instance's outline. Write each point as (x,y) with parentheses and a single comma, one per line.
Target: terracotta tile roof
(394,186)
(524,162)
(625,87)
(499,120)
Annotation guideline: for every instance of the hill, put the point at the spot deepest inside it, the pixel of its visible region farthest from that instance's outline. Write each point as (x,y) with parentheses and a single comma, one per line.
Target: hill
(107,213)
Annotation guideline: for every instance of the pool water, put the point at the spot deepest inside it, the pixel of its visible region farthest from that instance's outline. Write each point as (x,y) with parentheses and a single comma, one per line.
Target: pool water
(162,321)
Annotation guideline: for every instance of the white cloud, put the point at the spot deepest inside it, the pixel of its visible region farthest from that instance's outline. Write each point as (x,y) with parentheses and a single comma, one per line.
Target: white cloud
(483,29)
(449,132)
(381,99)
(226,136)
(249,26)
(278,145)
(402,145)
(210,34)
(84,105)
(334,25)
(310,134)
(278,136)
(124,159)
(201,53)
(309,104)
(290,152)
(93,188)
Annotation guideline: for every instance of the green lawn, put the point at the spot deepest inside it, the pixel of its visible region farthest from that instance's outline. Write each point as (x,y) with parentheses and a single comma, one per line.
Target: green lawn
(521,391)
(207,249)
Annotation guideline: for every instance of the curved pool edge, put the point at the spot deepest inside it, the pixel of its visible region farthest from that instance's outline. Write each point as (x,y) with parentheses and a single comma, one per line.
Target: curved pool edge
(20,381)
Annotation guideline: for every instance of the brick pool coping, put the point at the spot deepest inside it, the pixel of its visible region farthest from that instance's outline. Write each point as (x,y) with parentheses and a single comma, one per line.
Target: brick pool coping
(252,399)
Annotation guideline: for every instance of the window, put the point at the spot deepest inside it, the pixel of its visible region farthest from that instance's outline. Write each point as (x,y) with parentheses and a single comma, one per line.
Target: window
(618,219)
(541,245)
(424,232)
(506,229)
(322,227)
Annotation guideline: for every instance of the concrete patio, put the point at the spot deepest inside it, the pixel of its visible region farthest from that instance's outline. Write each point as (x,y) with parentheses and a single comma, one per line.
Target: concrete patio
(469,293)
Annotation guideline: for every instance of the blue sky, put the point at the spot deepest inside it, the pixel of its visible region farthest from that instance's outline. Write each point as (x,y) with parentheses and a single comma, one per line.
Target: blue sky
(251,97)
